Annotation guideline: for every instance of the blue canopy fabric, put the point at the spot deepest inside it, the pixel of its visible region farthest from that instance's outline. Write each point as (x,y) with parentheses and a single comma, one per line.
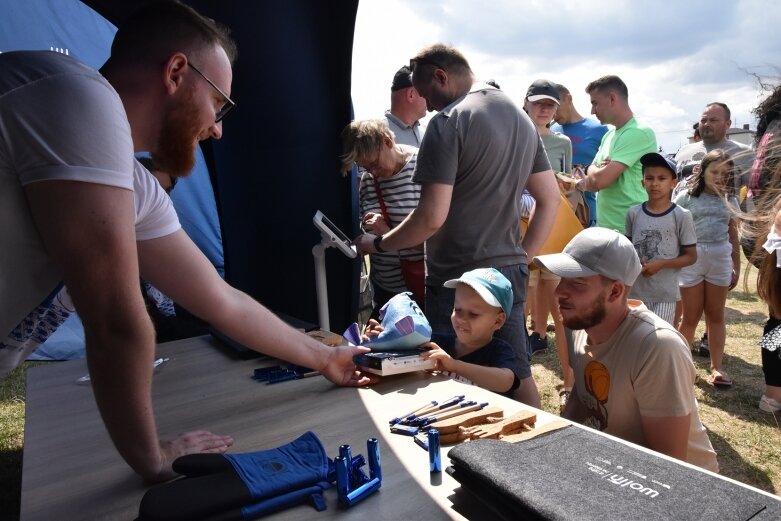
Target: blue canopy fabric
(250,200)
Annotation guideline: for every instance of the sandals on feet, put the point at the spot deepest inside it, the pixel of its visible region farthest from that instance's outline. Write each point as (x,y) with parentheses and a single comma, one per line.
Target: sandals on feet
(719,379)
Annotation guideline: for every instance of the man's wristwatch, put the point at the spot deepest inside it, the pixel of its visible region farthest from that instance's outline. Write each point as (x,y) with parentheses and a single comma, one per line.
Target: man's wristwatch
(377,241)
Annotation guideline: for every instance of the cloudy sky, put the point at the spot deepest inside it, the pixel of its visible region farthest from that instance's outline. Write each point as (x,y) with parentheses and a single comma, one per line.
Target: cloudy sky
(675,56)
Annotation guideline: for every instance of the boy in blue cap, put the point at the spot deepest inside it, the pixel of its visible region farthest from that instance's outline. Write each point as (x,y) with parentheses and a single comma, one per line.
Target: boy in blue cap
(664,237)
(483,300)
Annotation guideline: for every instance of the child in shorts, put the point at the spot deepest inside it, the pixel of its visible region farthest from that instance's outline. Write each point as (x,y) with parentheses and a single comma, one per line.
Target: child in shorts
(664,237)
(483,300)
(705,284)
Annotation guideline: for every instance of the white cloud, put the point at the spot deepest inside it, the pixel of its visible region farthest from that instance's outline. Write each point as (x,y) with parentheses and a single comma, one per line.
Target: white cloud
(675,56)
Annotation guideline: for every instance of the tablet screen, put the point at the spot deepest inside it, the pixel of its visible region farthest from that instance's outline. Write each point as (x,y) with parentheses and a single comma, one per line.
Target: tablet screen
(343,242)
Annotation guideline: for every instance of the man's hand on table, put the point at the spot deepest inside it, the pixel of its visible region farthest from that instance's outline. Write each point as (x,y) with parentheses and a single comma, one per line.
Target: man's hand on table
(192,442)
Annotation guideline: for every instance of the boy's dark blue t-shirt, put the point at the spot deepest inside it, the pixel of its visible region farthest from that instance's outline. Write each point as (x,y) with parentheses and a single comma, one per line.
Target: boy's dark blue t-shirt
(497,353)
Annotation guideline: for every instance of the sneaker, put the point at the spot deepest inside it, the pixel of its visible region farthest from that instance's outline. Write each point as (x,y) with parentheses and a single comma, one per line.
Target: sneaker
(563,399)
(769,405)
(537,343)
(704,351)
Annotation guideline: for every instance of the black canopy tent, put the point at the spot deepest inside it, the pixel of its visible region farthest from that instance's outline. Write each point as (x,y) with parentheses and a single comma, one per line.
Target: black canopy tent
(278,160)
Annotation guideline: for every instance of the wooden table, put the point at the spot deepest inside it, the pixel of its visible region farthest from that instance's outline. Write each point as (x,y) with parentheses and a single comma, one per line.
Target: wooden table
(72,471)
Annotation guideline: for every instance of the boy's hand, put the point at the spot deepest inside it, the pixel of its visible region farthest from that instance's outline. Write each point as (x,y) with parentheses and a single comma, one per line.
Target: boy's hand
(651,268)
(373,328)
(443,361)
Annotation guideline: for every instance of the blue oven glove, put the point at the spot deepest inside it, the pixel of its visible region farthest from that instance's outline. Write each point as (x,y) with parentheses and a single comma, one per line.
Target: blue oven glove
(242,486)
(273,472)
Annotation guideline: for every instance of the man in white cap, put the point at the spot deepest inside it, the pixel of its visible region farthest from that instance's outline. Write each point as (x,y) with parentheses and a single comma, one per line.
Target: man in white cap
(634,376)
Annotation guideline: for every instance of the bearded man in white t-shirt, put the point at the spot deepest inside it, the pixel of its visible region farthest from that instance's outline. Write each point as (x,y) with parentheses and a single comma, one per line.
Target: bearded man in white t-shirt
(77,209)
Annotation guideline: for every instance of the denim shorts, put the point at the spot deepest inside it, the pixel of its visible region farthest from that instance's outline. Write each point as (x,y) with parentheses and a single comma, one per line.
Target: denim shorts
(439,308)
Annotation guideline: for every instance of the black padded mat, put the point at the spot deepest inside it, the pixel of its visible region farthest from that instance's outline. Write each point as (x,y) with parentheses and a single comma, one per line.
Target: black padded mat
(577,474)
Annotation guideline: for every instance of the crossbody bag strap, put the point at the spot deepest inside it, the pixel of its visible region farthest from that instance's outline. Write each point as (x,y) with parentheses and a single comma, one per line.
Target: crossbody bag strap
(383,209)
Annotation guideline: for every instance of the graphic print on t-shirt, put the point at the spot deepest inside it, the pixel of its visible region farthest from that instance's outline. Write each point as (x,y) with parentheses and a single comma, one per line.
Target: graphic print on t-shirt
(648,246)
(597,380)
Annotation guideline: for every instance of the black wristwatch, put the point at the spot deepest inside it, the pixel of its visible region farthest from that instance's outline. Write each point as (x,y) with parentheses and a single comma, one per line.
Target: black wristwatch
(377,241)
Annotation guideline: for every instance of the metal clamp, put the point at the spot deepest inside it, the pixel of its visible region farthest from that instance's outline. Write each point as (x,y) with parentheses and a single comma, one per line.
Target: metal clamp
(352,485)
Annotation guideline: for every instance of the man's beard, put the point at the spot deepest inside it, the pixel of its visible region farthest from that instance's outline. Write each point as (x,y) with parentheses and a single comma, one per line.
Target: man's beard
(175,151)
(592,316)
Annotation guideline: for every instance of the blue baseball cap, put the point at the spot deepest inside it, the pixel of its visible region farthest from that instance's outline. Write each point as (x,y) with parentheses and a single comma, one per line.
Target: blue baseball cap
(656,159)
(490,284)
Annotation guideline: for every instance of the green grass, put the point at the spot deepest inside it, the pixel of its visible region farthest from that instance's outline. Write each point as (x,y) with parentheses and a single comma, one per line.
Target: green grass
(12,440)
(746,440)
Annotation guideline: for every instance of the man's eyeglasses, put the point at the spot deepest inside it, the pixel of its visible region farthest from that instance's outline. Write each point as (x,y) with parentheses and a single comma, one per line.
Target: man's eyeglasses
(414,62)
(229,103)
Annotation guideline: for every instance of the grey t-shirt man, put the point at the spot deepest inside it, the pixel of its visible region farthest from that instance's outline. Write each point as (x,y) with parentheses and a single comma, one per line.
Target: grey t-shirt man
(691,156)
(486,148)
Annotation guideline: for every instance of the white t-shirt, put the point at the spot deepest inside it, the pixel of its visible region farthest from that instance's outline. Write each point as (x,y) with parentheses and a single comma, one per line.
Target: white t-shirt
(155,217)
(59,120)
(155,213)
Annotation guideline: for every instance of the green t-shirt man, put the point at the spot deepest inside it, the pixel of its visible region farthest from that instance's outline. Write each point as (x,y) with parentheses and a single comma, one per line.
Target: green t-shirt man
(625,145)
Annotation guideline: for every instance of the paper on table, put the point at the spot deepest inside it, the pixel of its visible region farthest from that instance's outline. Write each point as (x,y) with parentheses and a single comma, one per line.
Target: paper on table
(157,363)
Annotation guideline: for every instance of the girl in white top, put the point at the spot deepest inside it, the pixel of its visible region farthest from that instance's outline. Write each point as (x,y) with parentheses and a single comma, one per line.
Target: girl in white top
(705,284)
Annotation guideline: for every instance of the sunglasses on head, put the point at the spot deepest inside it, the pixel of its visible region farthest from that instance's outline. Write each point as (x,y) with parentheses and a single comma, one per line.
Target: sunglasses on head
(415,62)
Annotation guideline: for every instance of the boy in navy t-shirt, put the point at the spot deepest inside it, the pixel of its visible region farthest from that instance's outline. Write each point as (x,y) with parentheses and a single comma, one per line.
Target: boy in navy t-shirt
(483,300)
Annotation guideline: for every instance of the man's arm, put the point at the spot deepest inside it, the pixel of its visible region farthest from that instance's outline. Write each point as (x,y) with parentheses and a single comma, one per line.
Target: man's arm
(668,434)
(177,267)
(599,177)
(663,384)
(574,410)
(545,190)
(88,229)
(419,225)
